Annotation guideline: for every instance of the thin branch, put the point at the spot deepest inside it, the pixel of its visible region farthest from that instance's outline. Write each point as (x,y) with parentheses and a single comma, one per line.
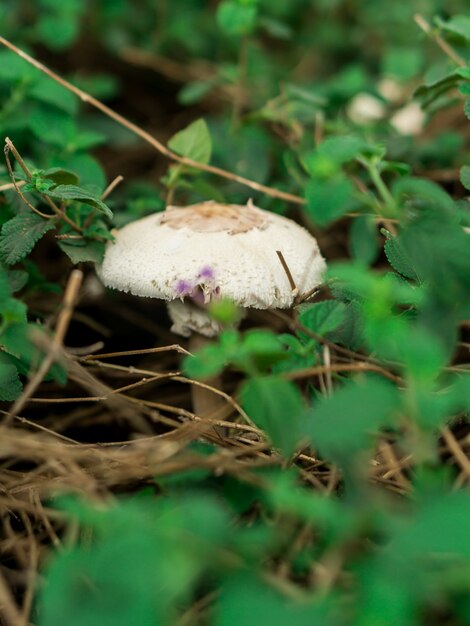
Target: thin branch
(456,450)
(112,186)
(290,278)
(112,355)
(150,139)
(441,42)
(16,186)
(8,186)
(70,296)
(307,372)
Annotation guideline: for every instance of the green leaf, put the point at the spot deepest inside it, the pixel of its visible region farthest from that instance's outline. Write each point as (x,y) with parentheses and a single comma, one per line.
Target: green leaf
(237,18)
(10,385)
(246,600)
(20,234)
(90,251)
(78,194)
(327,200)
(398,258)
(194,142)
(457,25)
(17,280)
(344,424)
(465,176)
(195,91)
(86,167)
(322,317)
(351,332)
(58,126)
(5,286)
(57,31)
(276,406)
(60,176)
(342,149)
(430,91)
(144,561)
(363,239)
(48,91)
(424,195)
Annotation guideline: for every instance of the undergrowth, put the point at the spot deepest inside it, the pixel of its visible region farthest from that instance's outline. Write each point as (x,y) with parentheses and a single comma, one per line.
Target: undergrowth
(333,489)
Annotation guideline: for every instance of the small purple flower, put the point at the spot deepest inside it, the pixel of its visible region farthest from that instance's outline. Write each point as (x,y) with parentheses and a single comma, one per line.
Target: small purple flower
(183,288)
(207,273)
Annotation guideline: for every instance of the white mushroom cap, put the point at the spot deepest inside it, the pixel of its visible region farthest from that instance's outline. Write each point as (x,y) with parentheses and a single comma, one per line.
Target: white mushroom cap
(212,250)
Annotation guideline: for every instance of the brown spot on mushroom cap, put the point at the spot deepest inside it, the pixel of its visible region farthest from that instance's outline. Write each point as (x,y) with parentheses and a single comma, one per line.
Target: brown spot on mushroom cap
(212,217)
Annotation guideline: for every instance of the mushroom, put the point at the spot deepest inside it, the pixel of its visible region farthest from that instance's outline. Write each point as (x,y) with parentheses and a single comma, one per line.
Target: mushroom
(192,255)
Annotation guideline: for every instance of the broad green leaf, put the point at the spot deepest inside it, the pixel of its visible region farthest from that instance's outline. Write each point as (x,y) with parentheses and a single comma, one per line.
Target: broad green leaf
(78,194)
(58,31)
(145,560)
(194,142)
(457,25)
(363,239)
(398,258)
(60,176)
(465,176)
(10,384)
(91,251)
(332,153)
(342,149)
(322,317)
(195,91)
(207,362)
(237,18)
(85,166)
(402,62)
(17,280)
(327,200)
(351,332)
(246,600)
(344,424)
(58,126)
(50,92)
(276,406)
(5,286)
(423,194)
(20,234)
(430,91)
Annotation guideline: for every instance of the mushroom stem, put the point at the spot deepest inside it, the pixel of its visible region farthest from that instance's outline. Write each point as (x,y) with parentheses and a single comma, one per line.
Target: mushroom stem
(206,403)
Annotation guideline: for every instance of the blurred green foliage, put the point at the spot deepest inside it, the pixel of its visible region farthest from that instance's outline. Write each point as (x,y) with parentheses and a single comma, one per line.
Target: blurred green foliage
(281,89)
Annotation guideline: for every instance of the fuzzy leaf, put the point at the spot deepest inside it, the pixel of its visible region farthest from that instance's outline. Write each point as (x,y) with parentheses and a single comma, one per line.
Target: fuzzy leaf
(72,192)
(61,176)
(322,317)
(465,176)
(92,251)
(276,406)
(457,25)
(398,258)
(327,200)
(20,234)
(356,411)
(236,18)
(10,385)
